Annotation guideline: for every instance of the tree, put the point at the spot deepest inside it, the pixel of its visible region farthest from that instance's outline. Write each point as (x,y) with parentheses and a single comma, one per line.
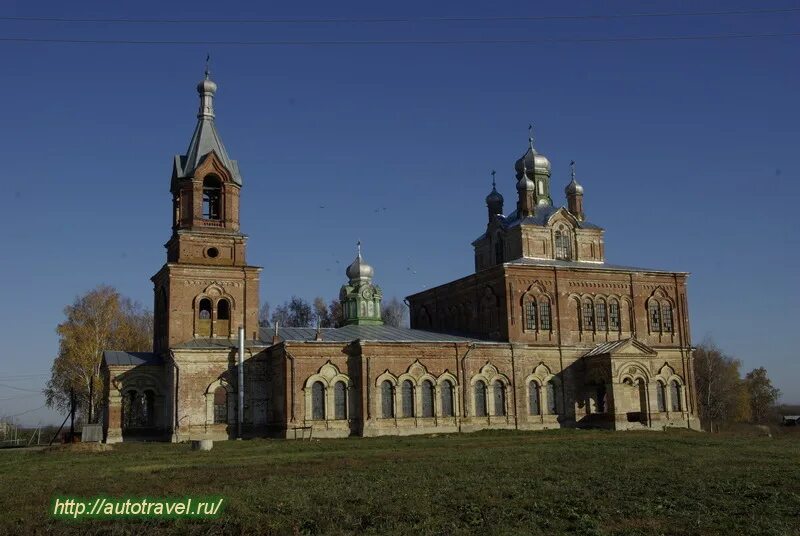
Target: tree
(720,391)
(763,395)
(263,315)
(393,313)
(296,313)
(99,320)
(322,316)
(336,313)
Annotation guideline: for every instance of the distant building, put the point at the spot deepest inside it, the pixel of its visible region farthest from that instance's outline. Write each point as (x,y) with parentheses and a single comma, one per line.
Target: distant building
(545,333)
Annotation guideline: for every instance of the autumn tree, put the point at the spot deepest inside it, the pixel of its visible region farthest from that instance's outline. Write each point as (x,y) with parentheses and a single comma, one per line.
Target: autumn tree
(393,313)
(336,312)
(762,394)
(99,320)
(322,315)
(720,390)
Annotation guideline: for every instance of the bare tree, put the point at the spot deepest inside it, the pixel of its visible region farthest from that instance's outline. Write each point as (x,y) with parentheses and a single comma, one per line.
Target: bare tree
(394,313)
(295,313)
(263,315)
(763,395)
(322,316)
(99,320)
(280,316)
(336,313)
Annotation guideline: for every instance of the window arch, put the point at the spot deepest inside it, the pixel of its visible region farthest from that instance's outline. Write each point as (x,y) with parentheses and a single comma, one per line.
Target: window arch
(588,316)
(613,315)
(499,250)
(600,316)
(223,325)
(666,317)
(499,392)
(220,405)
(387,400)
(661,396)
(480,399)
(318,401)
(654,315)
(212,198)
(552,398)
(530,315)
(563,246)
(427,398)
(204,318)
(534,398)
(407,393)
(675,395)
(545,320)
(447,399)
(340,401)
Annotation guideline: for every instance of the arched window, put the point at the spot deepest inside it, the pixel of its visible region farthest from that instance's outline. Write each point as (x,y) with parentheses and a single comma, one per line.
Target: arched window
(600,397)
(223,325)
(666,317)
(212,198)
(204,318)
(480,399)
(427,399)
(318,401)
(588,316)
(613,315)
(661,396)
(563,247)
(447,399)
(530,315)
(499,398)
(387,400)
(534,408)
(552,398)
(499,250)
(408,398)
(340,401)
(545,323)
(675,395)
(601,323)
(655,317)
(220,405)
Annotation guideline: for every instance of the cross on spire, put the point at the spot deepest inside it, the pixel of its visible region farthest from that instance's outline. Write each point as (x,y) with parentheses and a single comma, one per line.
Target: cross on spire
(572,169)
(358,247)
(493,183)
(208,65)
(530,135)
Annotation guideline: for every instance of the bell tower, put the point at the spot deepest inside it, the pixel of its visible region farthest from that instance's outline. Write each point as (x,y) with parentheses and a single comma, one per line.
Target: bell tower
(206,290)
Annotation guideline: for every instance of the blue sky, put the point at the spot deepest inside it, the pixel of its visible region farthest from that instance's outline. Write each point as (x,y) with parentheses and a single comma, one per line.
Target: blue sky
(687,151)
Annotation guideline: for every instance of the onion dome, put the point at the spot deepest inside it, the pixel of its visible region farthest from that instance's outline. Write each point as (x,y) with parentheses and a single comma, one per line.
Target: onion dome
(532,159)
(573,187)
(525,184)
(206,86)
(494,197)
(359,270)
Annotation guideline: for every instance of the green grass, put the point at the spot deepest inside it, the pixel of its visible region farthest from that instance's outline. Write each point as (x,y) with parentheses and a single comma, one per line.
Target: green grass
(570,481)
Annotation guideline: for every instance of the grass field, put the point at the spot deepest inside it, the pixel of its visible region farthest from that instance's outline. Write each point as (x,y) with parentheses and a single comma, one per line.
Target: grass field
(569,481)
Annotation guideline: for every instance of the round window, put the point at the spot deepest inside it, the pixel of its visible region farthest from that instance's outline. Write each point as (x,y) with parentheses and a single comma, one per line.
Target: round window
(212,252)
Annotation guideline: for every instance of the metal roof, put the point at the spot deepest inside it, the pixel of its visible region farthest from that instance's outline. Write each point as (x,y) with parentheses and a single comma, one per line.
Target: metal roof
(364,333)
(113,357)
(216,343)
(607,348)
(551,263)
(541,215)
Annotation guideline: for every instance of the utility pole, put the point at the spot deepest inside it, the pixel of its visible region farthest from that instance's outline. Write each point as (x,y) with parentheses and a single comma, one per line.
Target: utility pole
(71,414)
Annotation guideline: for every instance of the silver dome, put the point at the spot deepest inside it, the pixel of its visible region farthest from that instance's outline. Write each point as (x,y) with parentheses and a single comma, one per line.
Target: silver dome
(359,270)
(573,187)
(533,160)
(207,86)
(525,184)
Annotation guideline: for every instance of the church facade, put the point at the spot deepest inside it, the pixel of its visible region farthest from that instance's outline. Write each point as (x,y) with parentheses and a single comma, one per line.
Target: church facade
(544,334)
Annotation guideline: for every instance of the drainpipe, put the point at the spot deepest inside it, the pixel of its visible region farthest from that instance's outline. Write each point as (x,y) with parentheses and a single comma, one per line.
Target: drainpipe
(240,413)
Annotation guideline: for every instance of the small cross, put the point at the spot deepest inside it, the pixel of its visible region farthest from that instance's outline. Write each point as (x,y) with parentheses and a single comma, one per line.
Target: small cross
(530,134)
(358,245)
(493,174)
(572,169)
(208,69)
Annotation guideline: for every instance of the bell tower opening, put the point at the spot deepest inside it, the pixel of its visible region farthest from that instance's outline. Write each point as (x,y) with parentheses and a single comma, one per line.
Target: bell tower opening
(212,198)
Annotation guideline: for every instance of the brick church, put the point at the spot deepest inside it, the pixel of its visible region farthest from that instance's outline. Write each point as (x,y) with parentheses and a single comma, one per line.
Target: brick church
(545,334)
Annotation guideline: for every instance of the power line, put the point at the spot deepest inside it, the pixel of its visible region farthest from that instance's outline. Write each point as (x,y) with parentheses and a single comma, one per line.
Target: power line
(25,412)
(383,20)
(19,388)
(639,39)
